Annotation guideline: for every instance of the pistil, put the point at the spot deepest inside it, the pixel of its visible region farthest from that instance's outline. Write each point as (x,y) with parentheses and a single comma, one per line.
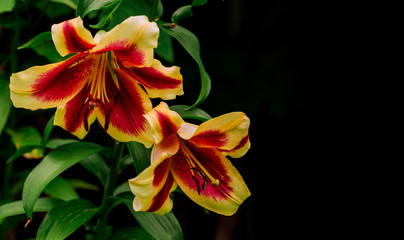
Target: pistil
(196,166)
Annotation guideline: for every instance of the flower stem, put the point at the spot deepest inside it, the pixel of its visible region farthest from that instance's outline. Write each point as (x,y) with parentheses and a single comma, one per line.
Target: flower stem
(109,188)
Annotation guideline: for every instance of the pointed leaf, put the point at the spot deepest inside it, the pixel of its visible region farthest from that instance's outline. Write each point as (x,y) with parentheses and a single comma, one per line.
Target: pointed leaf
(191,44)
(140,155)
(195,113)
(86,6)
(51,166)
(106,14)
(5,104)
(60,188)
(165,227)
(16,208)
(64,219)
(48,130)
(96,165)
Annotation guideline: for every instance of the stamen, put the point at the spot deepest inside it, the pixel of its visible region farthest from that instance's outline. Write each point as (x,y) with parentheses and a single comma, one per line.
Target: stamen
(195,165)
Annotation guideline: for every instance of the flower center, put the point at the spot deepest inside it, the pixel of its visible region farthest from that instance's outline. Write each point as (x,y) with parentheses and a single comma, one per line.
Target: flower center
(97,83)
(196,168)
(98,96)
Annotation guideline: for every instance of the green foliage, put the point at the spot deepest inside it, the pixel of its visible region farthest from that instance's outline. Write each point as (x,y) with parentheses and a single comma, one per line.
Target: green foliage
(51,166)
(191,43)
(5,104)
(65,218)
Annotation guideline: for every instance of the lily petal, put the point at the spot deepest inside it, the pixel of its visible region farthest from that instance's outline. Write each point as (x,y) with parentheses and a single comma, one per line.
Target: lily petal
(50,85)
(224,195)
(239,150)
(123,117)
(165,149)
(75,116)
(159,204)
(71,36)
(159,81)
(132,41)
(163,121)
(151,180)
(224,132)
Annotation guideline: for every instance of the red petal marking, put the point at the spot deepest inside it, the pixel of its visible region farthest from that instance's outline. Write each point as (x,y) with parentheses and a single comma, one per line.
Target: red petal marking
(127,104)
(77,112)
(212,161)
(63,80)
(168,128)
(74,43)
(162,196)
(160,172)
(211,138)
(242,143)
(153,79)
(131,57)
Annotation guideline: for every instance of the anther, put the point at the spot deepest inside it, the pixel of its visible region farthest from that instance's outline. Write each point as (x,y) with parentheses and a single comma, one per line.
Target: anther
(198,184)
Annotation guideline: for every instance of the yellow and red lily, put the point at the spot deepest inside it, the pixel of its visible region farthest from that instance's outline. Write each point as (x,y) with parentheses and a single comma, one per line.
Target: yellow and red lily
(101,81)
(193,158)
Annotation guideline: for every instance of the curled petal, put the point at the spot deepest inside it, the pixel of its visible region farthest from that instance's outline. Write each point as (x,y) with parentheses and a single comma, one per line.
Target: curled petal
(159,204)
(239,150)
(71,37)
(163,121)
(50,85)
(224,132)
(133,39)
(76,116)
(218,186)
(122,116)
(159,81)
(149,182)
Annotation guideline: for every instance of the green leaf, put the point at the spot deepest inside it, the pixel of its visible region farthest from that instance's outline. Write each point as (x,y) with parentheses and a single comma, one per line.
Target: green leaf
(182,12)
(140,155)
(165,48)
(5,104)
(69,3)
(199,2)
(29,138)
(48,130)
(194,113)
(65,218)
(7,5)
(37,40)
(57,142)
(51,166)
(131,233)
(130,8)
(27,150)
(106,14)
(165,227)
(16,208)
(191,44)
(86,6)
(61,188)
(43,45)
(96,165)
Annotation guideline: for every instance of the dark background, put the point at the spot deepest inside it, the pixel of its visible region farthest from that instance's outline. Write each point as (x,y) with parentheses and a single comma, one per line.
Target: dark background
(269,60)
(279,61)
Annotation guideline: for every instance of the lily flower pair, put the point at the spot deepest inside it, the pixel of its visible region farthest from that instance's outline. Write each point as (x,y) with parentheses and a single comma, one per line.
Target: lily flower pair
(101,81)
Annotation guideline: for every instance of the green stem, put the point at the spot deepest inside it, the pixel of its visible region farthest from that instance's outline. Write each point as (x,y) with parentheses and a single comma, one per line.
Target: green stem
(153,10)
(109,188)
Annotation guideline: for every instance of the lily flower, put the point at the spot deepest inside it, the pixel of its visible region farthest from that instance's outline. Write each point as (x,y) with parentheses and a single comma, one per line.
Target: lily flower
(101,80)
(193,158)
